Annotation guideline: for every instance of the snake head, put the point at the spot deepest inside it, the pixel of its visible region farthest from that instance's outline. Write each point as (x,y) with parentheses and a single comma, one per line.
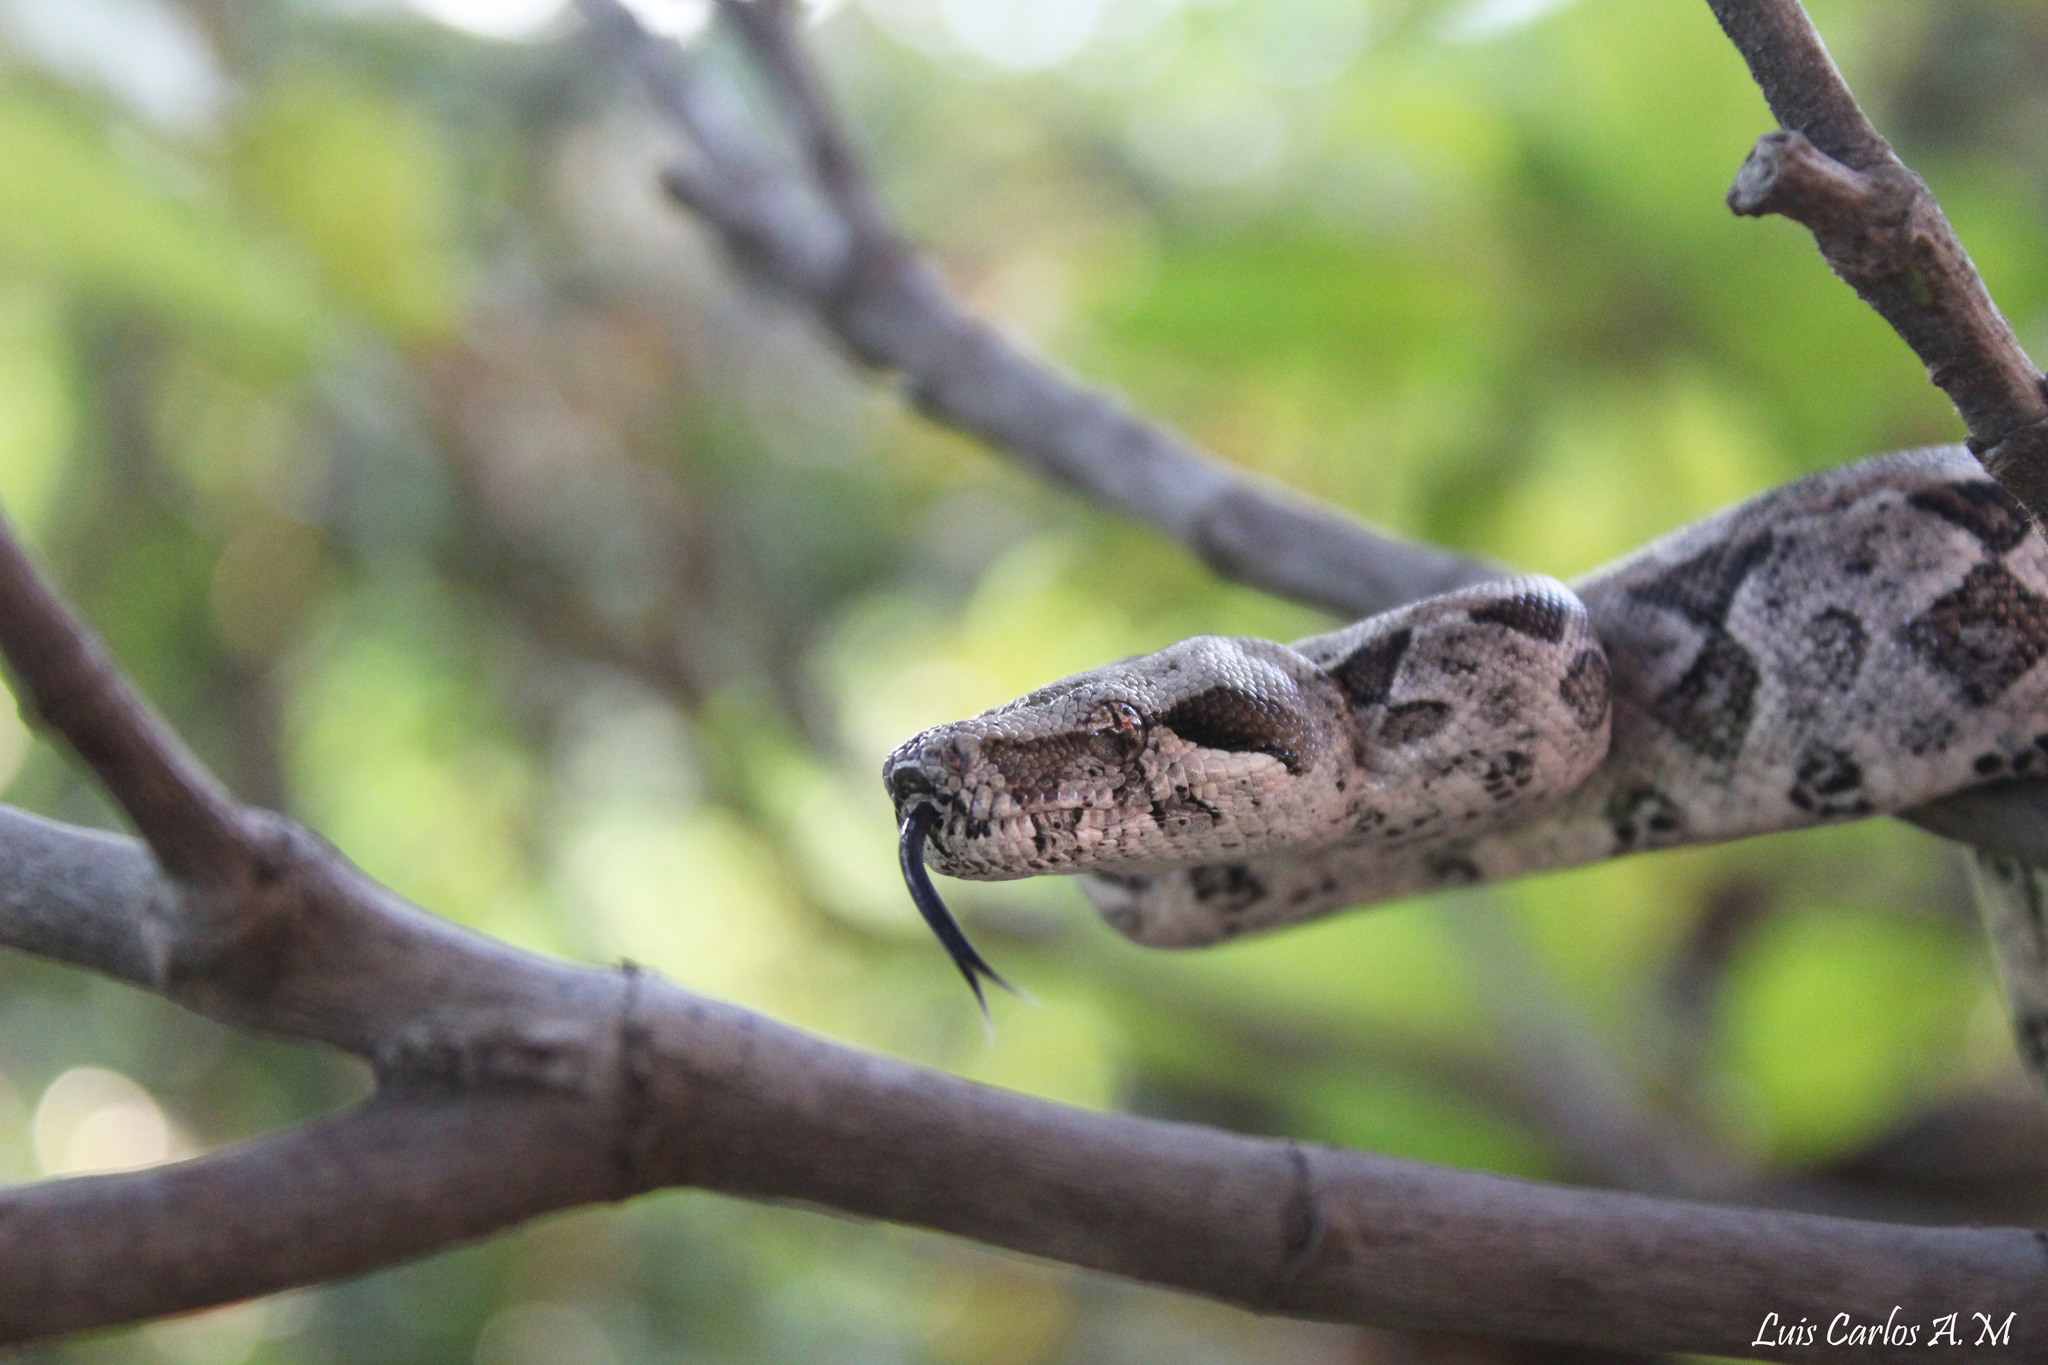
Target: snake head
(1211,746)
(1210,743)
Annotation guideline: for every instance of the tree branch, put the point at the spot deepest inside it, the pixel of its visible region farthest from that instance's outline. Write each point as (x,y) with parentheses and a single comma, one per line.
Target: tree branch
(1799,79)
(1883,232)
(770,30)
(515,1085)
(818,237)
(69,681)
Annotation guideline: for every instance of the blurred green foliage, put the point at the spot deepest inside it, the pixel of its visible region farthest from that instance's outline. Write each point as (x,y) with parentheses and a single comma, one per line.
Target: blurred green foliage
(447,491)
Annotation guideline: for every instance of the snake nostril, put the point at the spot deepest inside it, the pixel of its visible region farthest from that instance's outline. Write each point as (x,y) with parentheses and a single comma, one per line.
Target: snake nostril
(906,781)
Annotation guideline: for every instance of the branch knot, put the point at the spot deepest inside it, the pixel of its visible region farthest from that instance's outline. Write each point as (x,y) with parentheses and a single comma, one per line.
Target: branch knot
(634,1084)
(1303,1225)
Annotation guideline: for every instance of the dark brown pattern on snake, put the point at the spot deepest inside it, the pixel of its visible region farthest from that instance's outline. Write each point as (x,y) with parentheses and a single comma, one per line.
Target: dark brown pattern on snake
(1534,615)
(1368,674)
(1985,635)
(1980,507)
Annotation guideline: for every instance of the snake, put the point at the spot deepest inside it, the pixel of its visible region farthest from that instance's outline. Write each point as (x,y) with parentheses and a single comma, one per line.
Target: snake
(1857,643)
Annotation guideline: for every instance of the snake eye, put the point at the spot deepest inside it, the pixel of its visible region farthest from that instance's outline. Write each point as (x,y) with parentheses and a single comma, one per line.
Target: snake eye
(1115,717)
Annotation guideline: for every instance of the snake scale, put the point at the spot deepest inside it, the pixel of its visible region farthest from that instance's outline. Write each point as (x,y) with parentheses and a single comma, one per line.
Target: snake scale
(1856,643)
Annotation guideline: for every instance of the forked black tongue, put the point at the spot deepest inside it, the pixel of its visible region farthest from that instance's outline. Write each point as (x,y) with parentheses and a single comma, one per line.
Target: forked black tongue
(952,937)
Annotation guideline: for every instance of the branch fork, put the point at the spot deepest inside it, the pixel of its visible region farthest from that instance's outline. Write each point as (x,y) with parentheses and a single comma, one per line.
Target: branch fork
(1864,222)
(1884,233)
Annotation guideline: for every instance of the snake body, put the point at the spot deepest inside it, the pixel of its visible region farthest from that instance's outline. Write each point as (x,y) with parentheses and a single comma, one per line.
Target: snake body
(1856,643)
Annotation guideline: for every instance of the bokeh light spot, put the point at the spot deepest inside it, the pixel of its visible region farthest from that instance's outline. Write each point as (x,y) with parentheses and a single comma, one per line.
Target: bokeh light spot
(93,1120)
(504,20)
(544,1334)
(1024,35)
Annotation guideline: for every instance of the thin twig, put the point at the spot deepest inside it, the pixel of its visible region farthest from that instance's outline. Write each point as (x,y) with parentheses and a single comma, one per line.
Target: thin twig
(1884,233)
(770,30)
(73,685)
(1587,1097)
(1799,80)
(823,242)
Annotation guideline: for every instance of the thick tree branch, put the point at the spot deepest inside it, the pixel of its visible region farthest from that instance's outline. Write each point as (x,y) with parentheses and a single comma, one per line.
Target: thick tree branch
(1883,232)
(517,1085)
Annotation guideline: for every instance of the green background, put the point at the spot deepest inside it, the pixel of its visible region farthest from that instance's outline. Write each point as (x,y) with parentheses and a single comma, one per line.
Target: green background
(447,491)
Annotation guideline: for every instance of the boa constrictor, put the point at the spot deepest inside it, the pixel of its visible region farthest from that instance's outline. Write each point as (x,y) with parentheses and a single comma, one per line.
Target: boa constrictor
(1853,644)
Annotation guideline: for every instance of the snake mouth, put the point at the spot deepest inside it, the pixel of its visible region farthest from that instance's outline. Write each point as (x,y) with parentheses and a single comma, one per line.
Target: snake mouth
(918,819)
